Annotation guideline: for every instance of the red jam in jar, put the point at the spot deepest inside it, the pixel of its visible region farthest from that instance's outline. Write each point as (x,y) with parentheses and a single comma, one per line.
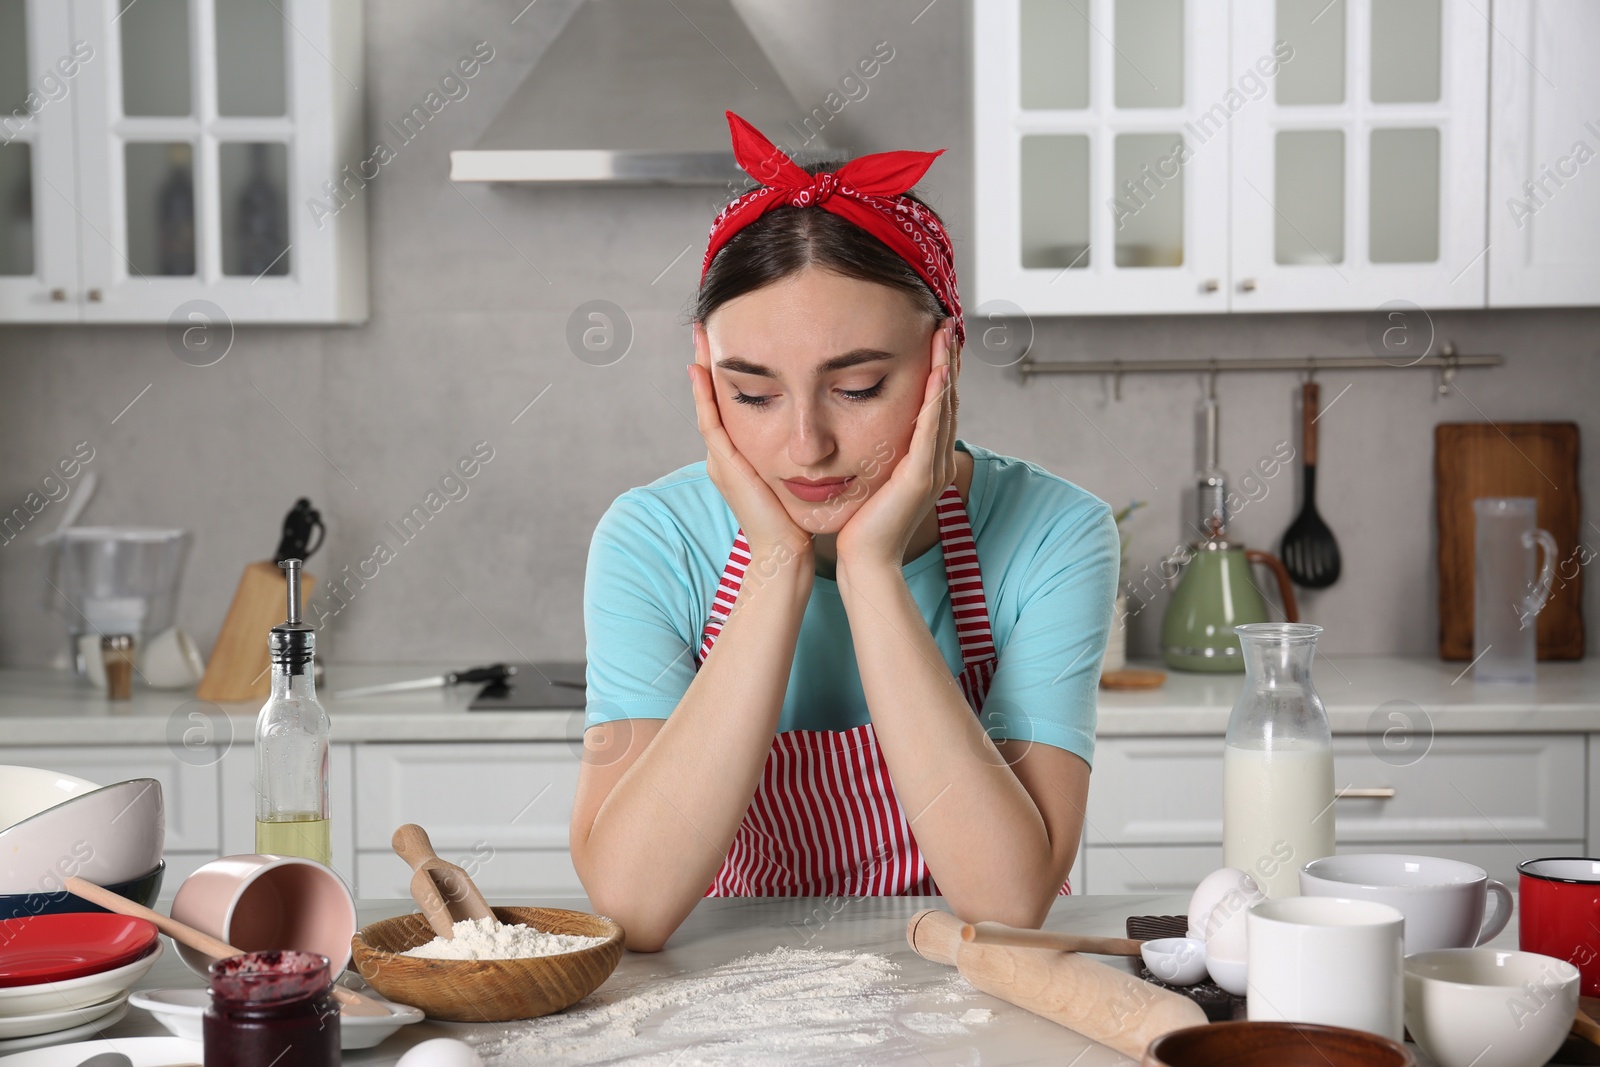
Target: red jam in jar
(272,1008)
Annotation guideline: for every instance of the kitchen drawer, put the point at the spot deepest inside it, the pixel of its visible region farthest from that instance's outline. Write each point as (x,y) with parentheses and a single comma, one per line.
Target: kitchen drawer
(188,786)
(509,795)
(1493,789)
(498,873)
(1179,868)
(1468,787)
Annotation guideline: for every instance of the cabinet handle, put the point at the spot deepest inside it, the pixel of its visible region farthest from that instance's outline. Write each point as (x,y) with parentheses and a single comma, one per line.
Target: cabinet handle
(1210,285)
(1382,792)
(58,295)
(95,296)
(1248,285)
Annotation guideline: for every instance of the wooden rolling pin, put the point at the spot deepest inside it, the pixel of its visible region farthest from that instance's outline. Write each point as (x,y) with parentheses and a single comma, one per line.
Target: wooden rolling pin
(1099,1002)
(1019,937)
(350,1002)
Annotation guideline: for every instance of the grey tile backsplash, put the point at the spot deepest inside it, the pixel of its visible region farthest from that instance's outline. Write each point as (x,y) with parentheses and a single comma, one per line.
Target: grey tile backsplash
(472,291)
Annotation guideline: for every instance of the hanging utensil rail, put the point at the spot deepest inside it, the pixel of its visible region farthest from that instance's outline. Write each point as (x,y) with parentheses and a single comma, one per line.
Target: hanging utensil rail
(1447,362)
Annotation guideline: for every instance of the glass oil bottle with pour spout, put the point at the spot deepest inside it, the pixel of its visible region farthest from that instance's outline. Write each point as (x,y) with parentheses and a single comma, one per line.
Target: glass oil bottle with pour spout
(292,744)
(1277,764)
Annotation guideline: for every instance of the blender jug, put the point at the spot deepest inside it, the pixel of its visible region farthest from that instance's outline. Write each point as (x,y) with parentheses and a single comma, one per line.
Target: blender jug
(1506,595)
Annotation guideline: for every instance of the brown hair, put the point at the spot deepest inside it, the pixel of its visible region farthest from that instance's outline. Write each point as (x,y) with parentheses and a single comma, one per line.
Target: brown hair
(786,240)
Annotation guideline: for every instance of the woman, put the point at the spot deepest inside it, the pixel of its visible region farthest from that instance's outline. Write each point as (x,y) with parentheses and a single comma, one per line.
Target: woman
(908,630)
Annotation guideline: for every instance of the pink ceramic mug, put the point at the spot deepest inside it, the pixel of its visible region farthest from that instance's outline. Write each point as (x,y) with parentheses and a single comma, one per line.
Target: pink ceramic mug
(258,903)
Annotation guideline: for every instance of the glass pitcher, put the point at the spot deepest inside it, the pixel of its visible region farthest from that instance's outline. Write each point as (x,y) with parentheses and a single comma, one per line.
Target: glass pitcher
(1506,595)
(1277,763)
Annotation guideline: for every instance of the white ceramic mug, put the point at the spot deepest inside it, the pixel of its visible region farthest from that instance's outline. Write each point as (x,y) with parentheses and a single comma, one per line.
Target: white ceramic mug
(1443,900)
(1331,960)
(170,660)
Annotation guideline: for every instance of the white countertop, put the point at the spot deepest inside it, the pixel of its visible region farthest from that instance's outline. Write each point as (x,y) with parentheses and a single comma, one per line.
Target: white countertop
(47,707)
(720,930)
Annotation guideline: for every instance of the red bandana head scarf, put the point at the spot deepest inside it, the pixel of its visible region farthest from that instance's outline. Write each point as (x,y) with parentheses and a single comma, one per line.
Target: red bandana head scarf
(866,191)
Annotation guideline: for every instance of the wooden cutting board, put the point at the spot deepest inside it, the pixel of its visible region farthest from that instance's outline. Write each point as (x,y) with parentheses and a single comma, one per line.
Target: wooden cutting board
(1537,459)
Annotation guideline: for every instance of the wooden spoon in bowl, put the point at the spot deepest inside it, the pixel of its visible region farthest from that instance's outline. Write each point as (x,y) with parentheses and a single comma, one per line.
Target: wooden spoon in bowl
(349,1000)
(442,890)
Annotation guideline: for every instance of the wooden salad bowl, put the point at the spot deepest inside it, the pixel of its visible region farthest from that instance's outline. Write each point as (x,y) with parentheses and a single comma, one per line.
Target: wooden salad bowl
(476,991)
(1263,1044)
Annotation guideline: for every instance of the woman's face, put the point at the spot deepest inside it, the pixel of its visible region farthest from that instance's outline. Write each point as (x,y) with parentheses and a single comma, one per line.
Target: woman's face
(821,377)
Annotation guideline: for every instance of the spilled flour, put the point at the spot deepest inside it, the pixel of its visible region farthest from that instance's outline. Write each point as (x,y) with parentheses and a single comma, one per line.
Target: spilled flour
(784,1006)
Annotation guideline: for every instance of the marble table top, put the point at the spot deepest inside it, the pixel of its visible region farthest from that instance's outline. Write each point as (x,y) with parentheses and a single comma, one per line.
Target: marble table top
(923,1024)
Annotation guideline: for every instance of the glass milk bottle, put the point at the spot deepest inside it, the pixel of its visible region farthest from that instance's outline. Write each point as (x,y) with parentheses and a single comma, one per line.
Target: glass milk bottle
(1277,765)
(292,744)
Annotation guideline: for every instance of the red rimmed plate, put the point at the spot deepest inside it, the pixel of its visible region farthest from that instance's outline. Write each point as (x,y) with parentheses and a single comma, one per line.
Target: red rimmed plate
(53,948)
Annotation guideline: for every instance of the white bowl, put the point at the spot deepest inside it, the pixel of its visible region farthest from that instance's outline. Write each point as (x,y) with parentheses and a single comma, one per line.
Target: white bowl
(112,834)
(49,1022)
(1176,960)
(1489,1008)
(182,1011)
(26,791)
(1227,973)
(76,992)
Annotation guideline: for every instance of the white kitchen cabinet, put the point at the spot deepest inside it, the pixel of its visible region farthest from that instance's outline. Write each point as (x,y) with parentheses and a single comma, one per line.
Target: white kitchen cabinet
(1329,155)
(1359,178)
(512,872)
(202,166)
(511,801)
(1094,194)
(1469,789)
(1544,154)
(1179,868)
(38,230)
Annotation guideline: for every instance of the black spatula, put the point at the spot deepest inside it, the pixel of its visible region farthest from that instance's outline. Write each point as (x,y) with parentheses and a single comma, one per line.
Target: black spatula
(1309,550)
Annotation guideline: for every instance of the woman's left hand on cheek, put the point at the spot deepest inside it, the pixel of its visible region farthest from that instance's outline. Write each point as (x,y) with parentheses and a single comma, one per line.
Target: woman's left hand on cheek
(880,530)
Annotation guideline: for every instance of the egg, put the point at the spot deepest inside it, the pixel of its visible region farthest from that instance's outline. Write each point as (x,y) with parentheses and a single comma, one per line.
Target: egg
(1217,911)
(441,1052)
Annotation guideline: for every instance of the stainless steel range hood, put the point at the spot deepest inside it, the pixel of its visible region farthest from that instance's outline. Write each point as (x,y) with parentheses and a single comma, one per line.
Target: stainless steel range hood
(633,91)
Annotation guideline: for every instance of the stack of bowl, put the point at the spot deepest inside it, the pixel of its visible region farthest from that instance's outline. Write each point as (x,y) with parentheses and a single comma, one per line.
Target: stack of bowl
(55,825)
(66,976)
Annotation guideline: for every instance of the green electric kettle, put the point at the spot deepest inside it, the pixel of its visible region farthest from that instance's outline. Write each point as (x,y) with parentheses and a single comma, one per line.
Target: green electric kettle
(1216,593)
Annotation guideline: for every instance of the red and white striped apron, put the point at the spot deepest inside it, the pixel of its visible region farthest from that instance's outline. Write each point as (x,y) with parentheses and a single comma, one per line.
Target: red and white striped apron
(824,820)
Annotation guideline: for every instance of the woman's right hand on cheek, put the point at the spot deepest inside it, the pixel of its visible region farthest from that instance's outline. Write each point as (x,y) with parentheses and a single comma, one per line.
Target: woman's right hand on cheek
(766,524)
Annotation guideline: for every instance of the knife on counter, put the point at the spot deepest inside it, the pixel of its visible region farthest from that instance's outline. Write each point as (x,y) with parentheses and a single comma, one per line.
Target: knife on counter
(494,674)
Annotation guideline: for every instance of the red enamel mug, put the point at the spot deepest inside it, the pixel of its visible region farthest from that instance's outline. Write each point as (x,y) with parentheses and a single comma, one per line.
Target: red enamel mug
(1558,914)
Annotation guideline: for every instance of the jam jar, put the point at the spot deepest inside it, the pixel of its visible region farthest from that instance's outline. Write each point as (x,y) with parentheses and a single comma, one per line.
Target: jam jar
(272,1008)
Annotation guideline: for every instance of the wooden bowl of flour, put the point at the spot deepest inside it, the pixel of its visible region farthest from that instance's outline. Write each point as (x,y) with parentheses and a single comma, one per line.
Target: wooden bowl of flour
(480,991)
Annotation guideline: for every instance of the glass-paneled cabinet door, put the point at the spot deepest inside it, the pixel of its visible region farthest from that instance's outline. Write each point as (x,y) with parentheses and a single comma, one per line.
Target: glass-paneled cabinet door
(1358,178)
(1101,176)
(212,134)
(1544,154)
(40,70)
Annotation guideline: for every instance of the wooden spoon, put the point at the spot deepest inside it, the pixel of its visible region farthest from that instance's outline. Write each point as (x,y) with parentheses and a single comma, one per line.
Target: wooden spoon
(442,890)
(1585,1027)
(349,1000)
(1001,934)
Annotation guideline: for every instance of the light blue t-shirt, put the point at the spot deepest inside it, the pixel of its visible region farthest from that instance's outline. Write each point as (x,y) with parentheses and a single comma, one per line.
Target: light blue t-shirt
(1048,551)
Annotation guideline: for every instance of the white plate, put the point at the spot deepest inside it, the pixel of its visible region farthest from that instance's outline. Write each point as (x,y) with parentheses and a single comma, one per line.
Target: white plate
(76,992)
(88,1029)
(50,1021)
(182,1011)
